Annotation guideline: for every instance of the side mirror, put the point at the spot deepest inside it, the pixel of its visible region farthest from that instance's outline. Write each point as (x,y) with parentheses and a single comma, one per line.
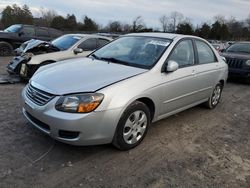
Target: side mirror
(171,66)
(223,58)
(78,50)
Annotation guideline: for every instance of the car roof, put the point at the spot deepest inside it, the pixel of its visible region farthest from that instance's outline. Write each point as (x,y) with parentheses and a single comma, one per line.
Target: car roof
(75,35)
(161,35)
(84,35)
(51,28)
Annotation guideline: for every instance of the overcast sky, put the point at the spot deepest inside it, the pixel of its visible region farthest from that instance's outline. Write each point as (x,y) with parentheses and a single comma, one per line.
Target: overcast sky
(103,11)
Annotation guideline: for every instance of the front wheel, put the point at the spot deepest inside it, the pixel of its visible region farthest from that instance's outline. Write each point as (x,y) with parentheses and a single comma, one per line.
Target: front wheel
(215,97)
(6,49)
(132,126)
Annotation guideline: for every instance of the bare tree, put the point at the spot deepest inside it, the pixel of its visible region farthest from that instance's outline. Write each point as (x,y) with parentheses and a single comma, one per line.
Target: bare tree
(220,18)
(47,15)
(164,20)
(230,23)
(248,21)
(126,27)
(176,18)
(114,26)
(138,24)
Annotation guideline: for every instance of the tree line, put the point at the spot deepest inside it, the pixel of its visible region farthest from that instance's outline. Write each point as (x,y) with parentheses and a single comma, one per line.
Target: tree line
(219,29)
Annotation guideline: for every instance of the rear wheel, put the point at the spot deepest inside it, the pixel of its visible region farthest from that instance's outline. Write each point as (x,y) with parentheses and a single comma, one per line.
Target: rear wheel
(6,49)
(215,97)
(132,126)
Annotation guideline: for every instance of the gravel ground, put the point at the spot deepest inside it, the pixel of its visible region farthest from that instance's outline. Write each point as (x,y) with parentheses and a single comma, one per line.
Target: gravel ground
(195,148)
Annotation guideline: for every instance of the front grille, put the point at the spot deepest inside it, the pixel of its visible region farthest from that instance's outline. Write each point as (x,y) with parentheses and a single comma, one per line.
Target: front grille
(38,96)
(235,63)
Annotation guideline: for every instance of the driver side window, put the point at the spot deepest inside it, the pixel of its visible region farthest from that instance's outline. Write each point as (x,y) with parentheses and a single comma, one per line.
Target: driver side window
(28,31)
(183,53)
(88,45)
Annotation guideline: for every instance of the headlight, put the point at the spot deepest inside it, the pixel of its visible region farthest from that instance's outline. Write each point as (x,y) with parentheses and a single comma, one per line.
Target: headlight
(79,103)
(248,63)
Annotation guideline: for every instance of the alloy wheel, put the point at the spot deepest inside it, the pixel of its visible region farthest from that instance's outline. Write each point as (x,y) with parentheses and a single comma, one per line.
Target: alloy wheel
(216,95)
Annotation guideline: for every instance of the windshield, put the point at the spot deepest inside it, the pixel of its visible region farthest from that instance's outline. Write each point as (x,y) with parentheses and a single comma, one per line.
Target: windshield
(239,47)
(13,28)
(141,52)
(66,41)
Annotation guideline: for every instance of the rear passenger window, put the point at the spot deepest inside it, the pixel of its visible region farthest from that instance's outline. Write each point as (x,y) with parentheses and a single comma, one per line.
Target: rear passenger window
(88,45)
(205,53)
(42,32)
(54,33)
(102,42)
(183,53)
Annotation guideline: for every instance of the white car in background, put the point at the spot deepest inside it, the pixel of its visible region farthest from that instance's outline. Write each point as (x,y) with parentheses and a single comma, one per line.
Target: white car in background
(36,53)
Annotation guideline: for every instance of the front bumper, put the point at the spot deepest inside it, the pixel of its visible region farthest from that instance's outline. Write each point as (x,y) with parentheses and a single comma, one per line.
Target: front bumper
(243,73)
(14,65)
(93,128)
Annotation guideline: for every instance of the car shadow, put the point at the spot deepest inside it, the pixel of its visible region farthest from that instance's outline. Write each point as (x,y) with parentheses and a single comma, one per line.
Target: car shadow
(239,80)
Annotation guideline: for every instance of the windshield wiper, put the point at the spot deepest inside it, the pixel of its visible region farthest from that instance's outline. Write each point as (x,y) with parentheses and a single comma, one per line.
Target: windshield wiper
(114,60)
(94,56)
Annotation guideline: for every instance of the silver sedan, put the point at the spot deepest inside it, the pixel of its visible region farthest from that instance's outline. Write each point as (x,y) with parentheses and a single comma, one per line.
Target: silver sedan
(114,94)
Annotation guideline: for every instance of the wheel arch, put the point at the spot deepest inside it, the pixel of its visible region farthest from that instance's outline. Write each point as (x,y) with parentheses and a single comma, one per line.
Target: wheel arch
(46,62)
(150,104)
(222,82)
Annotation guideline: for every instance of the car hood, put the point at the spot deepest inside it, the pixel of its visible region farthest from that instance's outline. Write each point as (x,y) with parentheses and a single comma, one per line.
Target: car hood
(36,47)
(236,55)
(33,43)
(81,75)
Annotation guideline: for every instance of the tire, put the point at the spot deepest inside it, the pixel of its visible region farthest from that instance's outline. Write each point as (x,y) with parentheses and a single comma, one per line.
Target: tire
(214,99)
(132,127)
(6,49)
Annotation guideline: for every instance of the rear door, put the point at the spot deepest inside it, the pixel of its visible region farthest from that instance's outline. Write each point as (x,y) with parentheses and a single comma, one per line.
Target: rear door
(42,34)
(207,69)
(27,33)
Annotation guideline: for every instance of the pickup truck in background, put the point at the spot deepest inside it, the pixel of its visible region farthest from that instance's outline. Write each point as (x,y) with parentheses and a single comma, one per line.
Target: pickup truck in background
(13,36)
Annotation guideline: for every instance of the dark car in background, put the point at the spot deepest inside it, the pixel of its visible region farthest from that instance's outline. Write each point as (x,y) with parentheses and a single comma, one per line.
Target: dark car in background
(13,36)
(238,59)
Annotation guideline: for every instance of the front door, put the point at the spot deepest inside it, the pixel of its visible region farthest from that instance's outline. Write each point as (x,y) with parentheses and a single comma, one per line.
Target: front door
(179,87)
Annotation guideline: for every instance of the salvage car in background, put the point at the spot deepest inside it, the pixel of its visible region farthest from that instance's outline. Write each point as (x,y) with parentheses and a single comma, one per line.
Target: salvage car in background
(13,36)
(36,53)
(114,94)
(238,59)
(219,46)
